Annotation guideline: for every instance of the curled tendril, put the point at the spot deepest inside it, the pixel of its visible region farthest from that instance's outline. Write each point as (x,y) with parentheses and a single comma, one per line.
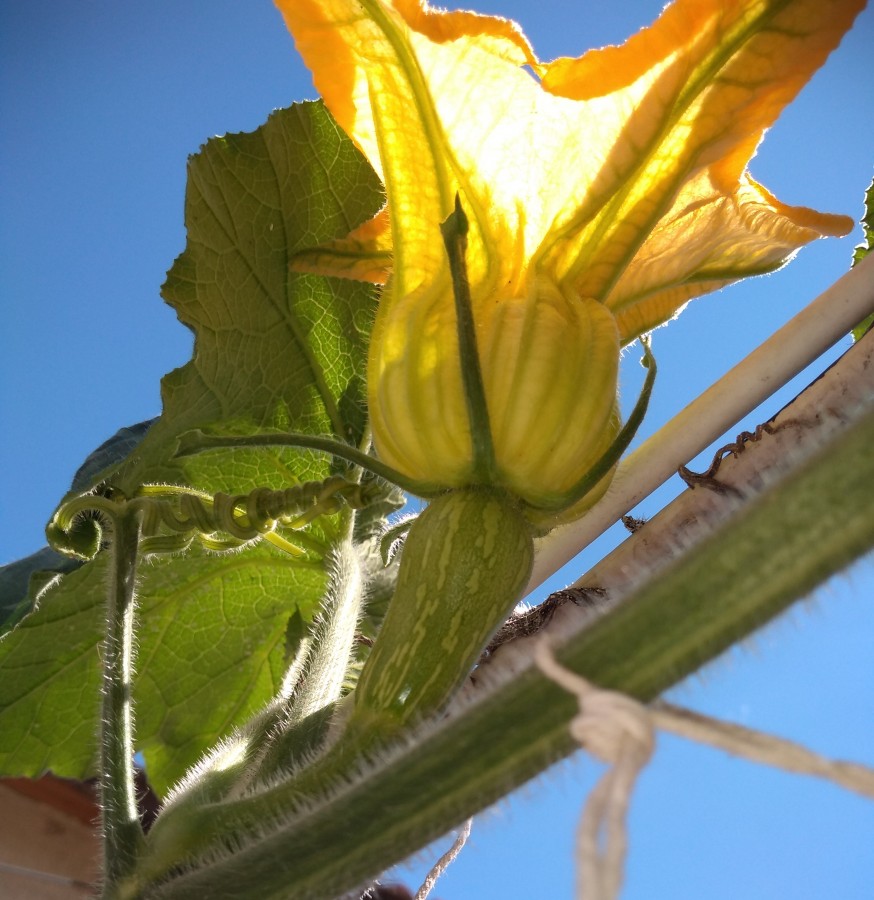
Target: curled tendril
(174,516)
(83,525)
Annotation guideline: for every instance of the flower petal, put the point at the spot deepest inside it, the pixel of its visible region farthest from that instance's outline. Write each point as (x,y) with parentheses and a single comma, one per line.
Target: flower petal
(365,255)
(726,233)
(582,167)
(695,90)
(619,180)
(550,366)
(415,392)
(374,62)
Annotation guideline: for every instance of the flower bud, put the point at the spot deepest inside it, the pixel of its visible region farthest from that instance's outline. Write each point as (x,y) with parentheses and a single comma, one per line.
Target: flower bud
(549,363)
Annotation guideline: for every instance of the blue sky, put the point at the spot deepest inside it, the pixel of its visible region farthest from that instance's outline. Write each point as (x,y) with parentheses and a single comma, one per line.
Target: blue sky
(102,103)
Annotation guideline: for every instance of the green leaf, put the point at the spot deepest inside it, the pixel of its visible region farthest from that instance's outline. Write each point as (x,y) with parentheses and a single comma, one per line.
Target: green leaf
(110,454)
(863,249)
(273,350)
(211,650)
(22,580)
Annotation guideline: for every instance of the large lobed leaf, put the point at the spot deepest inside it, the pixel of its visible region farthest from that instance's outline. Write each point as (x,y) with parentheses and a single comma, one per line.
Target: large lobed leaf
(273,350)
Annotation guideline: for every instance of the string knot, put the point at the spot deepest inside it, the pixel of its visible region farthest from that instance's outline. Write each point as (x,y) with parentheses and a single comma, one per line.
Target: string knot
(618,731)
(610,725)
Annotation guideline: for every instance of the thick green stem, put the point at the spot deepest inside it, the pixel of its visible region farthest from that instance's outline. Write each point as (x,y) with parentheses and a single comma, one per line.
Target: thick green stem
(229,768)
(303,728)
(294,725)
(122,833)
(774,551)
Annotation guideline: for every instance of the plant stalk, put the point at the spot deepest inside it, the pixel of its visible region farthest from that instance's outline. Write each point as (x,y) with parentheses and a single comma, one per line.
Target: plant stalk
(122,832)
(775,550)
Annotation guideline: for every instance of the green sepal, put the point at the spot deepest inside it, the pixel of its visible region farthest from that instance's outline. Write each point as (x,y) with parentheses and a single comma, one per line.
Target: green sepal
(454,231)
(614,452)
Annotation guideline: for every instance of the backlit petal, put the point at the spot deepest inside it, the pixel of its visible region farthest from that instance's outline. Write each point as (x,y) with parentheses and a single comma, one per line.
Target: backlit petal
(569,176)
(695,90)
(726,234)
(364,255)
(382,69)
(603,193)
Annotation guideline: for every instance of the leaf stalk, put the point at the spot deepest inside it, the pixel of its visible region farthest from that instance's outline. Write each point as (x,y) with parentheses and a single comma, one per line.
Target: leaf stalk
(122,832)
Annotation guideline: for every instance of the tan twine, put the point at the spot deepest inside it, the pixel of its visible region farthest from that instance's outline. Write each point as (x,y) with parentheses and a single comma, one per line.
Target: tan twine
(620,732)
(445,861)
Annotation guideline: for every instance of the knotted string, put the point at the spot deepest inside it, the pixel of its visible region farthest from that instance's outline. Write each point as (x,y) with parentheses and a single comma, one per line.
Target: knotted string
(614,729)
(620,732)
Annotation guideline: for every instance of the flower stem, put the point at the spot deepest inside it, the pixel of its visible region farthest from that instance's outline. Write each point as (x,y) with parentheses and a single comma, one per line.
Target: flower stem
(464,563)
(737,579)
(667,626)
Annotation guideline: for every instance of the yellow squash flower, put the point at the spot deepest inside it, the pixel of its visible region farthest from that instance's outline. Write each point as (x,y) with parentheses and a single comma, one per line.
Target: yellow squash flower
(603,194)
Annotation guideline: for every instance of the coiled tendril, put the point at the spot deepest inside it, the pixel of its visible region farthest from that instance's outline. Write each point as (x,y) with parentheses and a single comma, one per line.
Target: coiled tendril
(173,516)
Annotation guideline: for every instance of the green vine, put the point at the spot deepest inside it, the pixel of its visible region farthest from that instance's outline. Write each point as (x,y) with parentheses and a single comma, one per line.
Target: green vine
(120,824)
(173,516)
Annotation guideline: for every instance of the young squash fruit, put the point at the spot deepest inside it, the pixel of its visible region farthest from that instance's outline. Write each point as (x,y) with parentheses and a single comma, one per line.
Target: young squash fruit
(465,563)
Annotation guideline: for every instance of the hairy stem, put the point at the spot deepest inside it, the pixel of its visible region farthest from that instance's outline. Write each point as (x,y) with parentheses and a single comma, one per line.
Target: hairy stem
(306,722)
(464,564)
(122,832)
(775,550)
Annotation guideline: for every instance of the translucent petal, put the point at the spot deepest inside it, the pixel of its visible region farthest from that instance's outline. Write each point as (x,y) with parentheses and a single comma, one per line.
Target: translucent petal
(725,235)
(364,255)
(618,179)
(568,176)
(375,63)
(707,79)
